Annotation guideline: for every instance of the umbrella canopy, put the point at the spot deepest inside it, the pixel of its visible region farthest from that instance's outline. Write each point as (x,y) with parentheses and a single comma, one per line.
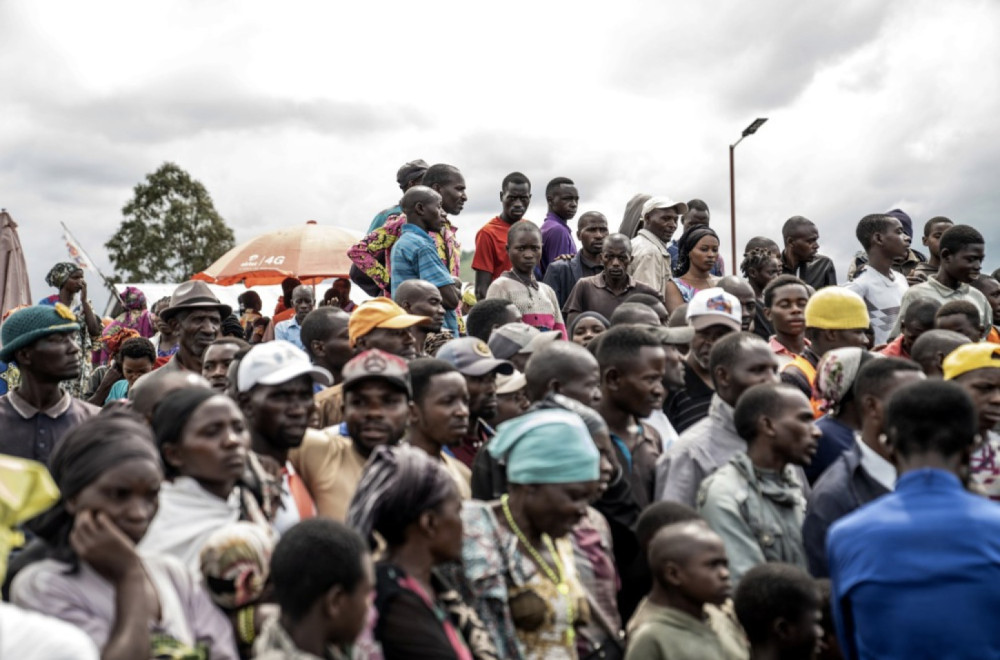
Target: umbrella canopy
(310,252)
(14,289)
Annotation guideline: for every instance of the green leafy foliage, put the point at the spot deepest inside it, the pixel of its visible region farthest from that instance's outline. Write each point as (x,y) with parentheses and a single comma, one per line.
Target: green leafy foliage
(170,230)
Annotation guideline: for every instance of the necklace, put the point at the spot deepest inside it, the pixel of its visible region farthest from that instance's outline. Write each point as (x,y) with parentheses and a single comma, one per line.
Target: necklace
(528,283)
(557,575)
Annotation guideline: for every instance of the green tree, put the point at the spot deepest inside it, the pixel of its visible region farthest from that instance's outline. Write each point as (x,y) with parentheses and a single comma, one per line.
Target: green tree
(171,230)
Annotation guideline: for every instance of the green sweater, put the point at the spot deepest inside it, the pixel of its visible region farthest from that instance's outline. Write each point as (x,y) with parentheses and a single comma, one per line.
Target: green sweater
(657,632)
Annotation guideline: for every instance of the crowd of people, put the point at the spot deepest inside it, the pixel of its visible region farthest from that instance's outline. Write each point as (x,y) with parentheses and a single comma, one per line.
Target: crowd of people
(602,447)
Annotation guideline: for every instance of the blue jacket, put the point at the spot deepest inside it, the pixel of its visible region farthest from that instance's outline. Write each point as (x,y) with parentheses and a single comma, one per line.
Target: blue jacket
(562,276)
(916,573)
(844,487)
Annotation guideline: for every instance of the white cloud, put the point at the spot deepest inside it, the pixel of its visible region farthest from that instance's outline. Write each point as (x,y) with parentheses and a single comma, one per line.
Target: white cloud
(304,110)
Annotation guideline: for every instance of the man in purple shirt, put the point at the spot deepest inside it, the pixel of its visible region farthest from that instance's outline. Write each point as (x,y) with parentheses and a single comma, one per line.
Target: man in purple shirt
(557,239)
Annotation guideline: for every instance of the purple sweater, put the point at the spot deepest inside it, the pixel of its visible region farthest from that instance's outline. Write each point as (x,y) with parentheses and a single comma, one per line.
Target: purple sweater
(557,240)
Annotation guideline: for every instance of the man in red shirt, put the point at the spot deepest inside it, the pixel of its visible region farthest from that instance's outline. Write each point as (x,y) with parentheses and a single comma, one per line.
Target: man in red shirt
(491,241)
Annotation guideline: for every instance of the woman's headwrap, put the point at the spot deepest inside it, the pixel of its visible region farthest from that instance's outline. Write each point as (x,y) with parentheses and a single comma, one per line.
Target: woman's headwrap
(114,336)
(134,316)
(398,485)
(835,376)
(83,455)
(133,299)
(235,563)
(60,273)
(589,315)
(686,243)
(546,447)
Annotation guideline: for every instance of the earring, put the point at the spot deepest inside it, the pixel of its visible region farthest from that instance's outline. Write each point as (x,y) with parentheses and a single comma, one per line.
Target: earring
(883,439)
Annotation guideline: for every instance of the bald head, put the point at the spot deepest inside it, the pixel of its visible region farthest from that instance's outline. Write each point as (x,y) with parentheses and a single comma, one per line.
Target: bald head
(677,543)
(148,391)
(930,349)
(589,217)
(741,289)
(412,291)
(419,195)
(557,366)
(633,313)
(618,241)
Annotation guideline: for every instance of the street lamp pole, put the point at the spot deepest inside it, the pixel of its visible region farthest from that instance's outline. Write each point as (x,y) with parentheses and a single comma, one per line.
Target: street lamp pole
(749,130)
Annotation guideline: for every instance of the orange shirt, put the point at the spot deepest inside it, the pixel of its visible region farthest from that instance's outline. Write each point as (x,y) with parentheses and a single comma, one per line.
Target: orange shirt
(491,248)
(994,335)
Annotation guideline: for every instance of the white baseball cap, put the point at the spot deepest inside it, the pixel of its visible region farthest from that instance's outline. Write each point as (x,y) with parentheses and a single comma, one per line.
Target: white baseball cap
(512,383)
(276,362)
(663,202)
(714,307)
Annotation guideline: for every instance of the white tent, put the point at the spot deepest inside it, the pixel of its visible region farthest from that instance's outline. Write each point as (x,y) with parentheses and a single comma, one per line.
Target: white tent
(228,295)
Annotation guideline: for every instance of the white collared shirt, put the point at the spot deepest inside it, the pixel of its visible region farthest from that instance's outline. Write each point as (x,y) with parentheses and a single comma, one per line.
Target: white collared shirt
(880,469)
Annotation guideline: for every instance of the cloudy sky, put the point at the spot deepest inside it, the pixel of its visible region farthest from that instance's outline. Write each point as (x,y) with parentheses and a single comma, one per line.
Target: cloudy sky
(296,111)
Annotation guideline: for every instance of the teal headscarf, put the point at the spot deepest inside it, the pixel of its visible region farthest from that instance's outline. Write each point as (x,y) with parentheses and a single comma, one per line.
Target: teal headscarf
(546,447)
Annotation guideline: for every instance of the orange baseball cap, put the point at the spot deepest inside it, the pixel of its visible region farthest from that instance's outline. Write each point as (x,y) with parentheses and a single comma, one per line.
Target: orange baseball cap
(379,313)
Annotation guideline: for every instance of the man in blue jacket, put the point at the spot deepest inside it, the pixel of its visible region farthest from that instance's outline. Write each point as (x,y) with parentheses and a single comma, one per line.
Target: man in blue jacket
(914,573)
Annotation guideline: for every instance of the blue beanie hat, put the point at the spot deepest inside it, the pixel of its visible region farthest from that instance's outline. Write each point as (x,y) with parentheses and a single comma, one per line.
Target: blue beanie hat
(546,447)
(26,326)
(904,220)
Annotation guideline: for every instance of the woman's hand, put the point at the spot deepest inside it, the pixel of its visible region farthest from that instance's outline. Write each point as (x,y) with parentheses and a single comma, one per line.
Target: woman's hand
(113,374)
(98,541)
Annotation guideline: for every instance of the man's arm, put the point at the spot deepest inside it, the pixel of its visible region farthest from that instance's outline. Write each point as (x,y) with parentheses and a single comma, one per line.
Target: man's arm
(644,268)
(555,244)
(678,476)
(721,511)
(830,278)
(558,276)
(483,281)
(451,296)
(840,605)
(814,530)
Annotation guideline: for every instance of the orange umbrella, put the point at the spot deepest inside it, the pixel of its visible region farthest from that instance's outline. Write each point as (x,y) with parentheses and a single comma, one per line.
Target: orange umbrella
(14,289)
(310,252)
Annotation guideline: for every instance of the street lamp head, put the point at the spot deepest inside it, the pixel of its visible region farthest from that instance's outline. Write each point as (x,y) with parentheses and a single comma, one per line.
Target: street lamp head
(752,128)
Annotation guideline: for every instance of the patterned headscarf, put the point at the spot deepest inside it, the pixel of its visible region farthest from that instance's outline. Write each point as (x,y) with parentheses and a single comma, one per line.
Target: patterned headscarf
(114,336)
(398,485)
(60,273)
(835,376)
(235,562)
(133,300)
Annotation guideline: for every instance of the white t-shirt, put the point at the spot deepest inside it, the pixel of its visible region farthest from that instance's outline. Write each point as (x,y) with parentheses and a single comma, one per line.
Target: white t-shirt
(25,634)
(883,296)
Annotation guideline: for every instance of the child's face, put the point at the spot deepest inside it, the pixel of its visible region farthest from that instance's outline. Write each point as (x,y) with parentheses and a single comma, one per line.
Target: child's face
(524,250)
(933,239)
(961,324)
(352,608)
(704,577)
(803,637)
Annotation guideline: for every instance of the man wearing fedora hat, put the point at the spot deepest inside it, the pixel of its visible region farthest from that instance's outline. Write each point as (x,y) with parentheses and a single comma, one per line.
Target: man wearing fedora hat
(195,314)
(37,413)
